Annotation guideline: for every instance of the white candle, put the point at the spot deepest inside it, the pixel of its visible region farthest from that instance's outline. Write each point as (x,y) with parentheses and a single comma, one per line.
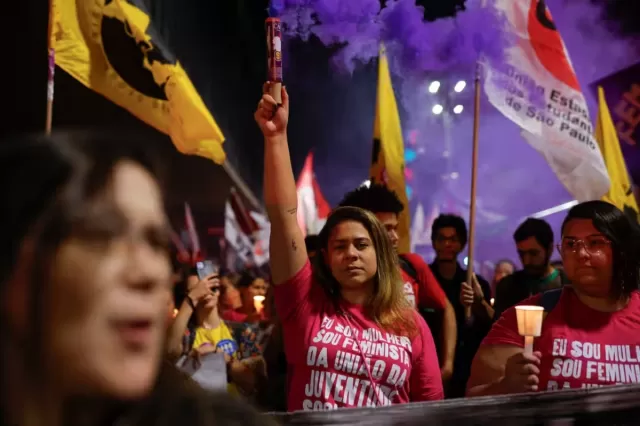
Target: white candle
(258,303)
(529,324)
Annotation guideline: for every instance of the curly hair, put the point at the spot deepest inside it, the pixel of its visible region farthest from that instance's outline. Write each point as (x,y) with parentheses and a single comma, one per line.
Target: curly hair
(375,198)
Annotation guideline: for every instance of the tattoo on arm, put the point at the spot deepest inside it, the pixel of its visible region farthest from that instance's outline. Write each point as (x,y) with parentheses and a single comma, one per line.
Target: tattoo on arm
(294,246)
(293,210)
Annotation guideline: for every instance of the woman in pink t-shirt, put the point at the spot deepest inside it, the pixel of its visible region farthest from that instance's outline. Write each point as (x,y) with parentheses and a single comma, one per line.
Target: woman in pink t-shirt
(351,339)
(590,337)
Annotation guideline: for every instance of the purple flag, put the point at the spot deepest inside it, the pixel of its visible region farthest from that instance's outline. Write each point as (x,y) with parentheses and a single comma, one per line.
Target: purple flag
(622,91)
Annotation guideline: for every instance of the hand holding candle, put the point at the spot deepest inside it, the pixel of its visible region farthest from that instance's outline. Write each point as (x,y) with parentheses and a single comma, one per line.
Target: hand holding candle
(258,303)
(529,324)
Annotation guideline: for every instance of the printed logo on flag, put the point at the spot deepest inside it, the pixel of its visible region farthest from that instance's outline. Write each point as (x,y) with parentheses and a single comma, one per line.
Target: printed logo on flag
(112,47)
(538,90)
(132,54)
(548,45)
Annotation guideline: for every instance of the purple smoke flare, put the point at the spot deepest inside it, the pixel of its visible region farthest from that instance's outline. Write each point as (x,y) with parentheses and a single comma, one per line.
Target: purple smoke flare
(415,46)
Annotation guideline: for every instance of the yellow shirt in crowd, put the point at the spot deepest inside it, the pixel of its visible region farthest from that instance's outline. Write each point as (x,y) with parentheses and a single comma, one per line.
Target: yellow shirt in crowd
(222,340)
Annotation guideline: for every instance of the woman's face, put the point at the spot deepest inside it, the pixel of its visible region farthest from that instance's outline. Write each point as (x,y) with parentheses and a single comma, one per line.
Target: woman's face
(108,304)
(351,255)
(587,257)
(210,301)
(230,297)
(258,287)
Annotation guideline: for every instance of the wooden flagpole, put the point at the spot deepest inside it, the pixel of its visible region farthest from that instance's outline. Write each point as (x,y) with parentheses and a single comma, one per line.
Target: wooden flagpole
(472,195)
(52,67)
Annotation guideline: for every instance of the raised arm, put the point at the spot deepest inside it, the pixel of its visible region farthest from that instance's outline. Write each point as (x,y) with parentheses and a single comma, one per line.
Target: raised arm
(287,250)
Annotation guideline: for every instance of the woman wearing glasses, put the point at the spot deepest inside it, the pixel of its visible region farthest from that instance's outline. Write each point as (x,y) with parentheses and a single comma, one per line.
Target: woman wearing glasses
(590,330)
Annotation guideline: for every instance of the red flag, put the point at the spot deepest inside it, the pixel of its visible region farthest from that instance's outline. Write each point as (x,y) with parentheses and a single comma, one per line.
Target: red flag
(313,208)
(243,217)
(193,233)
(183,253)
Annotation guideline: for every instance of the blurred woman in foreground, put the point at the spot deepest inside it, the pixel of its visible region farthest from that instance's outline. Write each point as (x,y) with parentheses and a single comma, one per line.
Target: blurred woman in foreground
(83,279)
(351,308)
(590,333)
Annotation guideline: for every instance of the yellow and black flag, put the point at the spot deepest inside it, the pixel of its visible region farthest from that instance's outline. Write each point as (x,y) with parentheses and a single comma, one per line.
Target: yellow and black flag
(111,47)
(621,191)
(387,163)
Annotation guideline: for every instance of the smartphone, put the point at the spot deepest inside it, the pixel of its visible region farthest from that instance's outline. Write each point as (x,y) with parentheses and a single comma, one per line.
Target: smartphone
(206,268)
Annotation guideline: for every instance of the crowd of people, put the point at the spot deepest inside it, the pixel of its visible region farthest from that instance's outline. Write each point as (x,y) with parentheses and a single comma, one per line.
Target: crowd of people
(99,328)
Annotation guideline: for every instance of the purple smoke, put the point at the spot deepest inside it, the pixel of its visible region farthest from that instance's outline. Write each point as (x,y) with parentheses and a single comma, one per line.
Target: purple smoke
(414,46)
(276,7)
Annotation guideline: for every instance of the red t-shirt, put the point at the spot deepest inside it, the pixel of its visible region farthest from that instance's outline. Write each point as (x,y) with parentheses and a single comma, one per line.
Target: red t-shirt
(581,347)
(426,292)
(325,350)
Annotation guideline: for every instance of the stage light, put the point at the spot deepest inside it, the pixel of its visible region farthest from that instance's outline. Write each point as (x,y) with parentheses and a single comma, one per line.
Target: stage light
(409,192)
(454,175)
(556,209)
(409,155)
(459,87)
(458,109)
(434,87)
(366,183)
(437,109)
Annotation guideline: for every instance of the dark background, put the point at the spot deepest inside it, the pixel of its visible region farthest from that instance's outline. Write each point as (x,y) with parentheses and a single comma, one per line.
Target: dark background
(221,44)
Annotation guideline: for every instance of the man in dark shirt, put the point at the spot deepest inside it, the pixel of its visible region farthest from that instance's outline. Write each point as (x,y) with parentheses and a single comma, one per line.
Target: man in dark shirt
(449,237)
(534,241)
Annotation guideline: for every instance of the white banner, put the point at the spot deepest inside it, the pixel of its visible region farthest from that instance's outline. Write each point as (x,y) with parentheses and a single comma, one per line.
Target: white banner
(539,91)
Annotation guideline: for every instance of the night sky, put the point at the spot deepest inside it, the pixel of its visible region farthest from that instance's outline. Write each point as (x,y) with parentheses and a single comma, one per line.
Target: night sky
(221,44)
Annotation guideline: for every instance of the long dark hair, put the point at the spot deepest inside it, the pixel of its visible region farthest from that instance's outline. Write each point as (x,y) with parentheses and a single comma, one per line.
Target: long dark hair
(49,186)
(625,242)
(388,307)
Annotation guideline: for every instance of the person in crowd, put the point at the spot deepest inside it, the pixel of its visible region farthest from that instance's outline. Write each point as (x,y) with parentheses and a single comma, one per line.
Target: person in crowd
(249,286)
(349,308)
(534,242)
(588,328)
(311,243)
(83,283)
(272,393)
(449,237)
(230,297)
(420,286)
(199,329)
(504,268)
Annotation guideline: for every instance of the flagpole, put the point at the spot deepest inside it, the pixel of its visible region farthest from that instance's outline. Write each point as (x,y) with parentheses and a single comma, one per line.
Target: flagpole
(242,186)
(52,67)
(472,196)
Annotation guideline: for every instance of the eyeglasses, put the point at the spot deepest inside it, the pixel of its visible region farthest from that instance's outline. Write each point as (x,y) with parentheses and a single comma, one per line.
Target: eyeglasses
(592,245)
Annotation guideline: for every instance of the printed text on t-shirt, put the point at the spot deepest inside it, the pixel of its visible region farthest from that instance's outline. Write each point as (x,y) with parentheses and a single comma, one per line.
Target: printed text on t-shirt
(344,362)
(592,364)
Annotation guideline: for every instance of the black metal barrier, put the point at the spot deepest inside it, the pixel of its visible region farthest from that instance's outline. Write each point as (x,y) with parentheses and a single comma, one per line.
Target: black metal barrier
(608,406)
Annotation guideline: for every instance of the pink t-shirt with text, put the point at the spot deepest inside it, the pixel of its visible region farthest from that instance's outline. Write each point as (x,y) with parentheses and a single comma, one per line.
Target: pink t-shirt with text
(581,347)
(325,350)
